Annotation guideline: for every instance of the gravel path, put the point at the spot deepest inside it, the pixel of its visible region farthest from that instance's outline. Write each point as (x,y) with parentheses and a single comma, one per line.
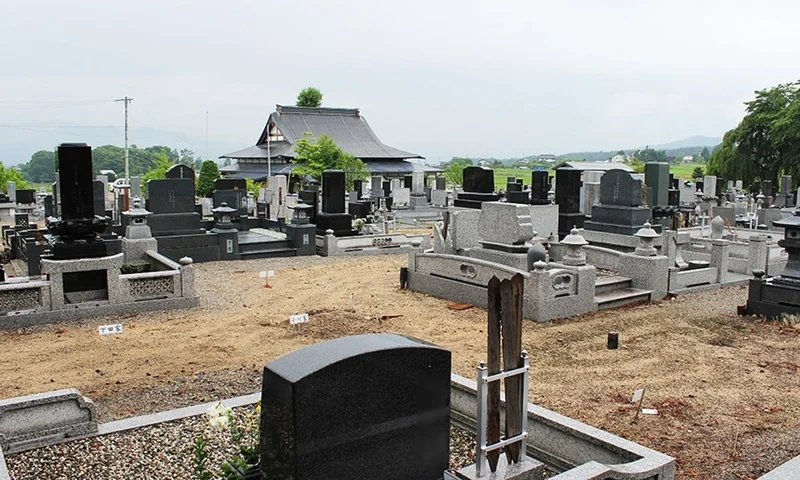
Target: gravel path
(160,452)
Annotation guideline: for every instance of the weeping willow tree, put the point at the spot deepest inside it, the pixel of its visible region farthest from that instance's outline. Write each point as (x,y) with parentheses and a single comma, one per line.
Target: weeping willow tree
(766,143)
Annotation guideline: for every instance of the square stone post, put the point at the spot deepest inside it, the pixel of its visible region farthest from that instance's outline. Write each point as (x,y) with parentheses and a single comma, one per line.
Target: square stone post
(719,258)
(757,254)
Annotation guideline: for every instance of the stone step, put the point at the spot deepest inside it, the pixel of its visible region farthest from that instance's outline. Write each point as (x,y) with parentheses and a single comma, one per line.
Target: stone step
(624,296)
(262,246)
(609,283)
(269,253)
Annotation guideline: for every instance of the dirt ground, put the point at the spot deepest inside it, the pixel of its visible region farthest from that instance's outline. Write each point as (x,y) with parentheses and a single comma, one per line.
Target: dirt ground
(726,388)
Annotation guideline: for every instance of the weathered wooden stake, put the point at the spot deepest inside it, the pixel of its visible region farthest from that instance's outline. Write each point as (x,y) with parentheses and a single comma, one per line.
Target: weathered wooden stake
(511,300)
(493,388)
(403,278)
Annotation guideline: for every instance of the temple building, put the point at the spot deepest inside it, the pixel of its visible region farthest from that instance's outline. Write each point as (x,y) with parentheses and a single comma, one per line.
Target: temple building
(351,132)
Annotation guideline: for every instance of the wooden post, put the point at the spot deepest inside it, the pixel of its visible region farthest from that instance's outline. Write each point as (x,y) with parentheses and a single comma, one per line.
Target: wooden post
(403,278)
(493,388)
(511,301)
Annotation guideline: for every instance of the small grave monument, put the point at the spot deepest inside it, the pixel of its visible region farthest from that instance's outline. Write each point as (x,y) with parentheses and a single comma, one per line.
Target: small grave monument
(478,188)
(620,209)
(773,297)
(333,197)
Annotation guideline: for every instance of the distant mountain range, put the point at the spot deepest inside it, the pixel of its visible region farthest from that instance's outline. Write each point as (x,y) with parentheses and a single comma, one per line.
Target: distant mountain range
(695,141)
(18,143)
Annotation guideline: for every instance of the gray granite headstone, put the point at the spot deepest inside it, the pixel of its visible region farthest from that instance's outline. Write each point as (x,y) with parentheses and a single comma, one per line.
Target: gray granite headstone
(618,187)
(363,407)
(12,191)
(136,187)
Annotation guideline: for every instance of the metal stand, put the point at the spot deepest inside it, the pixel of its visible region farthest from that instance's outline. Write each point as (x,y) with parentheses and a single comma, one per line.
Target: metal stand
(483,381)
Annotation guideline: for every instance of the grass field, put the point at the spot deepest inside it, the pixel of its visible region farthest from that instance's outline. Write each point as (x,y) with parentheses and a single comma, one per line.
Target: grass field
(683,170)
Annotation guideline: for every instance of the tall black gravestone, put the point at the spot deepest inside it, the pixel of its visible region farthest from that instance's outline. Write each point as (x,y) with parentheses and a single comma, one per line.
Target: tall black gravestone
(74,235)
(358,187)
(99,194)
(478,188)
(369,406)
(539,187)
(310,196)
(333,216)
(568,198)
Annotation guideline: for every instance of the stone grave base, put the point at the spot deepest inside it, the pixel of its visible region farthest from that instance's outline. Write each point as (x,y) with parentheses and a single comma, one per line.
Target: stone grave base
(530,469)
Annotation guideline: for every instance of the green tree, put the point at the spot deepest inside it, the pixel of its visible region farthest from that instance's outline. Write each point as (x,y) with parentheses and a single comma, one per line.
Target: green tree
(158,171)
(41,168)
(636,164)
(309,97)
(698,172)
(454,171)
(209,172)
(312,158)
(11,174)
(766,142)
(649,155)
(705,154)
(253,186)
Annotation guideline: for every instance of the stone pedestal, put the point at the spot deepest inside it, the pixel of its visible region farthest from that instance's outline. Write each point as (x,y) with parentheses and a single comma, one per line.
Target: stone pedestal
(340,223)
(303,238)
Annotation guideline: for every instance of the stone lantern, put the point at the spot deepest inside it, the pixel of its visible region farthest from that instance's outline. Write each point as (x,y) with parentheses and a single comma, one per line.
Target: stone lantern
(137,221)
(574,242)
(790,242)
(301,213)
(646,236)
(223,217)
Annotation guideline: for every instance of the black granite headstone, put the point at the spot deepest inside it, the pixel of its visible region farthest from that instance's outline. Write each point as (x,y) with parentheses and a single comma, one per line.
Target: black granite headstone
(99,195)
(171,195)
(333,191)
(618,187)
(358,187)
(49,211)
(478,180)
(539,187)
(441,183)
(512,185)
(75,181)
(368,407)
(359,209)
(181,171)
(698,186)
(755,188)
(720,186)
(26,197)
(408,181)
(387,188)
(230,184)
(309,197)
(656,176)
(568,190)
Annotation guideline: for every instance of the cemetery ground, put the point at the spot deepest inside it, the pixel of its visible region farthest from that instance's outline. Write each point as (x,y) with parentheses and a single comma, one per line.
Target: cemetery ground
(727,389)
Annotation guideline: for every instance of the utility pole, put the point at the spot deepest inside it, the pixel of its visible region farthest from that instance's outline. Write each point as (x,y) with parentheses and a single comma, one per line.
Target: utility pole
(207,157)
(127,101)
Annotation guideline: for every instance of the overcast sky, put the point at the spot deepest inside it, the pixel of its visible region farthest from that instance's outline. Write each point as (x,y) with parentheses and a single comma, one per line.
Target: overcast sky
(438,78)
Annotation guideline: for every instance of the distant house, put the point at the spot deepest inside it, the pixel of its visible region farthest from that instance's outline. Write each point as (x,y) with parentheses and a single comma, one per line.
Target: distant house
(484,163)
(546,157)
(688,159)
(618,158)
(346,126)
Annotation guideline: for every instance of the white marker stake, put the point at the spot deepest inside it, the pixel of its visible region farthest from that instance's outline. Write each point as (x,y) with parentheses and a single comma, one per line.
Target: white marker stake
(298,320)
(109,331)
(267,275)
